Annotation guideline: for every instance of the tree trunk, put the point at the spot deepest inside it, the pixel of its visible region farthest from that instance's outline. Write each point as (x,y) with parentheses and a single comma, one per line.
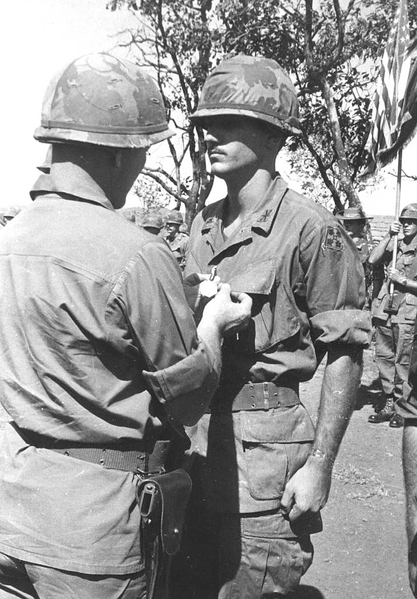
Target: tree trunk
(345,174)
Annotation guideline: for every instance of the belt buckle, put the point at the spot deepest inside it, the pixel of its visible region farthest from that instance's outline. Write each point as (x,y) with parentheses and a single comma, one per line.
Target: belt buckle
(148,473)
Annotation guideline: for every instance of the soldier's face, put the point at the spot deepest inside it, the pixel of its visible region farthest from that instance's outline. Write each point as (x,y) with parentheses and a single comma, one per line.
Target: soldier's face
(235,145)
(354,227)
(172,230)
(409,227)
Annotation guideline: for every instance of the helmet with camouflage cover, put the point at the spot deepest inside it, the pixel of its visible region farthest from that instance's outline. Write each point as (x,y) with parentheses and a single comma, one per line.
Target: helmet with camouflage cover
(174,218)
(409,212)
(250,86)
(152,221)
(103,100)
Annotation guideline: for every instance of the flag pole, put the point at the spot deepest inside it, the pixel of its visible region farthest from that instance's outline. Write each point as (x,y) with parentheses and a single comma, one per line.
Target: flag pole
(398,192)
(396,217)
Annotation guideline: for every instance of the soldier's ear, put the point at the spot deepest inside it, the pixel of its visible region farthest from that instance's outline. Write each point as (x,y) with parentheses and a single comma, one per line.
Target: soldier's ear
(275,141)
(118,158)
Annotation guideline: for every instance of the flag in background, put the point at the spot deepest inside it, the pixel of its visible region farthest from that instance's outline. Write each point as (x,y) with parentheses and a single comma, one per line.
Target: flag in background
(408,114)
(391,86)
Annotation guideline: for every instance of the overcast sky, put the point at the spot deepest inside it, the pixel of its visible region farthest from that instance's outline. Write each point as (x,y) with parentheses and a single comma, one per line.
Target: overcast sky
(37,38)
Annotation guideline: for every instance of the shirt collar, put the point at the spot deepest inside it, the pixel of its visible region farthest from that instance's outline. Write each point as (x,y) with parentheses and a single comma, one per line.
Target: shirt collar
(410,247)
(263,214)
(266,210)
(64,185)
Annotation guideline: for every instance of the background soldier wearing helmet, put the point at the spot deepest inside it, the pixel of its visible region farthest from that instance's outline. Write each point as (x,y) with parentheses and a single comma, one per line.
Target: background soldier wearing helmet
(394,320)
(177,241)
(152,223)
(406,408)
(354,222)
(101,363)
(261,471)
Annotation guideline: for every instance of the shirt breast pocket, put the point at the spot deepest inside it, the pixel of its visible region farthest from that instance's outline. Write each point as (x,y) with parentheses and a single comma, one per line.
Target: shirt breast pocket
(274,318)
(410,306)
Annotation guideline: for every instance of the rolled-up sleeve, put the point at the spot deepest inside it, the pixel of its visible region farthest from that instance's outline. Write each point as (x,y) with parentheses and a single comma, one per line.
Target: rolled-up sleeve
(186,387)
(335,287)
(177,367)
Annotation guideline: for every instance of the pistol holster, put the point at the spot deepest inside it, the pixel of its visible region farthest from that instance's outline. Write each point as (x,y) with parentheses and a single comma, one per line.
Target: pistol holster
(162,500)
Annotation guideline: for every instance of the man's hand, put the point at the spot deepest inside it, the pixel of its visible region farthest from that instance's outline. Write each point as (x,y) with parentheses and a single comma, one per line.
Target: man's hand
(229,311)
(308,489)
(396,276)
(199,289)
(225,313)
(395,228)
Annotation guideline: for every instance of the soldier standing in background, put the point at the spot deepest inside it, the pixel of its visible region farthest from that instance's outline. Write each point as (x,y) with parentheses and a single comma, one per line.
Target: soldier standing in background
(394,321)
(406,408)
(101,363)
(355,223)
(177,241)
(152,223)
(261,473)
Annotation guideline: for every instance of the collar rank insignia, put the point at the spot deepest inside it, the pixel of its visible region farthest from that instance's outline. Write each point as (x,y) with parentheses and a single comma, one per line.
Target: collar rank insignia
(264,217)
(209,223)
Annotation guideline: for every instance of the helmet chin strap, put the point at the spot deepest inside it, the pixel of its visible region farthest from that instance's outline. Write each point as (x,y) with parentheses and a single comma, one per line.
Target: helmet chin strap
(118,159)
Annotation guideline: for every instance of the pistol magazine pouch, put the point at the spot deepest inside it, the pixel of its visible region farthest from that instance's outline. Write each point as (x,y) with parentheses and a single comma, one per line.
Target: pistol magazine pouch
(162,499)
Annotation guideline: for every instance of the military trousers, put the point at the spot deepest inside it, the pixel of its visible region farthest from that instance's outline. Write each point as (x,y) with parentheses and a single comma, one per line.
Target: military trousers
(33,581)
(393,343)
(237,556)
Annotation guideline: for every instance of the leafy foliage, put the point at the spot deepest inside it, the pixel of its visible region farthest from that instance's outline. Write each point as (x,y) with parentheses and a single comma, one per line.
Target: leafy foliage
(152,196)
(331,51)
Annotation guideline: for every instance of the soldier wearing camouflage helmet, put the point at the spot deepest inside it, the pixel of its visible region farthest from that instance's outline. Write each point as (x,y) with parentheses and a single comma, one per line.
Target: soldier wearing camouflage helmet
(406,407)
(394,316)
(261,471)
(101,361)
(177,241)
(354,221)
(152,223)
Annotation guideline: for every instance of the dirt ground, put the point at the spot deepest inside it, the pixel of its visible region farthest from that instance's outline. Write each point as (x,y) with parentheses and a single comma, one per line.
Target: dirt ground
(361,554)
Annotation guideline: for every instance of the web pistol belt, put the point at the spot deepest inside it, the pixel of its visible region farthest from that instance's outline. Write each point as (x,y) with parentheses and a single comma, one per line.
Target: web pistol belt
(127,460)
(117,459)
(254,396)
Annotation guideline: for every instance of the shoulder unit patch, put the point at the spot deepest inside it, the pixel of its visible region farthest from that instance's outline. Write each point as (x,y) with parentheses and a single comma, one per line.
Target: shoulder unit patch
(333,240)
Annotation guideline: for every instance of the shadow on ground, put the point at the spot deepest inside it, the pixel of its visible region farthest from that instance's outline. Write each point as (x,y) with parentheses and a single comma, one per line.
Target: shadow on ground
(369,394)
(307,592)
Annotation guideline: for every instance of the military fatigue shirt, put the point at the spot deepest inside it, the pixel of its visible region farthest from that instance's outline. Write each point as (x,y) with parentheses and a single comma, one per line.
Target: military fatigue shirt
(97,346)
(179,248)
(406,302)
(307,284)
